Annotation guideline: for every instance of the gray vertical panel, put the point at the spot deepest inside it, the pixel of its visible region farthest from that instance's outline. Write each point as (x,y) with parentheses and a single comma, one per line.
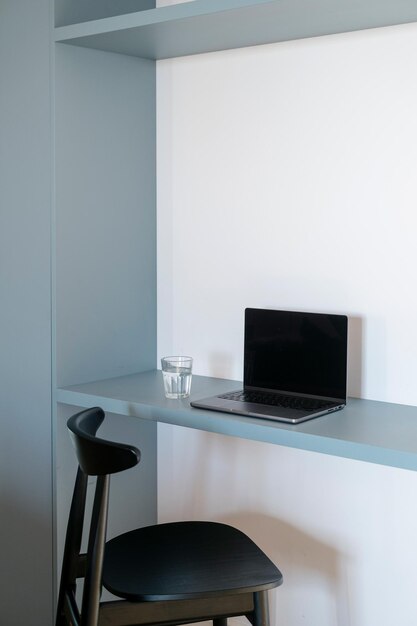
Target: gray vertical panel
(105,204)
(25,319)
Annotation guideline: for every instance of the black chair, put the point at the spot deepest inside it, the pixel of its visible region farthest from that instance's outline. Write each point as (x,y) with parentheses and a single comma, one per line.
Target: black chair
(167,574)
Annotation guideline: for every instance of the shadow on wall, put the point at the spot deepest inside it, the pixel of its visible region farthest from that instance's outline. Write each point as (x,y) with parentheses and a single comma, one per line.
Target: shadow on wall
(355,357)
(230,480)
(311,568)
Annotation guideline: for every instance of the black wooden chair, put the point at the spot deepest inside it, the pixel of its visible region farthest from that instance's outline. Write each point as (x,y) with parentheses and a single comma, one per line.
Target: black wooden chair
(167,574)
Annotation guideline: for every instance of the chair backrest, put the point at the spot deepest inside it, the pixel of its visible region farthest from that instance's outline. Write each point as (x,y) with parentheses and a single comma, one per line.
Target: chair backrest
(96,457)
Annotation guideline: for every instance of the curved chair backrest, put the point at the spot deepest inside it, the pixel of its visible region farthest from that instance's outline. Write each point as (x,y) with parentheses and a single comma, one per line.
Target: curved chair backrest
(98,457)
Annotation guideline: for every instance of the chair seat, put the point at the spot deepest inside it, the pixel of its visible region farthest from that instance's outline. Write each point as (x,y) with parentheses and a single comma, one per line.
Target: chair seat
(184,560)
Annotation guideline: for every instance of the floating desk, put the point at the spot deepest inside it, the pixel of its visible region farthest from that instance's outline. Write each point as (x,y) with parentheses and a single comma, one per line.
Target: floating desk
(366,430)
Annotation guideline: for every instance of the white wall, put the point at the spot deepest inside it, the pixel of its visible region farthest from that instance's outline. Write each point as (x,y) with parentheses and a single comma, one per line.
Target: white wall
(287,180)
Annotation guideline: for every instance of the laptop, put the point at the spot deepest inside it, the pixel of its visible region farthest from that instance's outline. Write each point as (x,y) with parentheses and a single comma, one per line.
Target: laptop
(295,367)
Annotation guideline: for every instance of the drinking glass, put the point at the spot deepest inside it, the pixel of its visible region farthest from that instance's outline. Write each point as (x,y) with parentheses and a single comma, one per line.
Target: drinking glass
(177,373)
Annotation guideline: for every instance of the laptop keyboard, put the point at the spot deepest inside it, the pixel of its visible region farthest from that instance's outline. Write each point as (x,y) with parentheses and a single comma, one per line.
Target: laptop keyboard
(275,399)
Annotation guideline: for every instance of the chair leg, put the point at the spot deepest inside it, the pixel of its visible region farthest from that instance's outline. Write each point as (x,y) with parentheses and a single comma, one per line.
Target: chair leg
(261,609)
(220,621)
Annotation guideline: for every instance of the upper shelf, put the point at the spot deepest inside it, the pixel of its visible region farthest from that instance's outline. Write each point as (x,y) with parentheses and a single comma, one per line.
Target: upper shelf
(209,25)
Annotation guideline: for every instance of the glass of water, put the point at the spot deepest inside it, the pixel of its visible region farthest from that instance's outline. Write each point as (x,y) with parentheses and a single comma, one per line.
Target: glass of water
(177,373)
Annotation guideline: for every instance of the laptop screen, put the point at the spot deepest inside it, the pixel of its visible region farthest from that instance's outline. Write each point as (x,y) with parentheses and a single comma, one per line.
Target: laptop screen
(296,352)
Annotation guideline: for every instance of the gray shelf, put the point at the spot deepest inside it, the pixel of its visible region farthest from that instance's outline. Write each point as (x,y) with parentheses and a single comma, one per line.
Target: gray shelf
(209,25)
(366,430)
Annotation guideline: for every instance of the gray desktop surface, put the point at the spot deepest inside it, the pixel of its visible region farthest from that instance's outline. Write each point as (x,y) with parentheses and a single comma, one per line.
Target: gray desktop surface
(366,430)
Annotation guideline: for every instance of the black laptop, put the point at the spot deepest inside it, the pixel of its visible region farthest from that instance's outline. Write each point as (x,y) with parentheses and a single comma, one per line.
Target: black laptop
(295,367)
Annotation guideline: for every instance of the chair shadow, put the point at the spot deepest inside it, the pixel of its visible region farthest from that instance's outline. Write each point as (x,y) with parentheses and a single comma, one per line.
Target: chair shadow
(310,565)
(302,558)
